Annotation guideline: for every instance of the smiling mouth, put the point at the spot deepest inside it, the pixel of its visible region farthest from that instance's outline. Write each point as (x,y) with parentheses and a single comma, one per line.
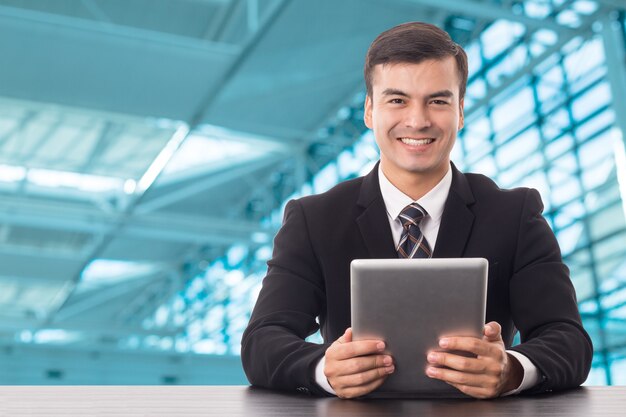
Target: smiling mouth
(416,142)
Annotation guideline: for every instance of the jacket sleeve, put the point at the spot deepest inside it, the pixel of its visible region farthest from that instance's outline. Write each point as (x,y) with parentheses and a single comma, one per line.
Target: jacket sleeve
(544,307)
(274,351)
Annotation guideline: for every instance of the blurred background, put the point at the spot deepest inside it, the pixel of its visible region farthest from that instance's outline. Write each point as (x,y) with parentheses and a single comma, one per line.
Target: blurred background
(147,149)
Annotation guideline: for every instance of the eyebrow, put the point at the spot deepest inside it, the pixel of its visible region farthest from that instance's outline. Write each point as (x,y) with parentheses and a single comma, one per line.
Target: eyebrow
(442,93)
(396,92)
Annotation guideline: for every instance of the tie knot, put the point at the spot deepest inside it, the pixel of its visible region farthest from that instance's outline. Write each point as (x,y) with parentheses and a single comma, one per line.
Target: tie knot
(411,215)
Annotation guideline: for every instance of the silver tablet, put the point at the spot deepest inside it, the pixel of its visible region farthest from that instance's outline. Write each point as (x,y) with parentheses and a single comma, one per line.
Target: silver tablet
(411,304)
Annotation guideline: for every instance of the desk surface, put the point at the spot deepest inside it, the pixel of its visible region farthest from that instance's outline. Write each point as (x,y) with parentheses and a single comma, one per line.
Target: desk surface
(248,402)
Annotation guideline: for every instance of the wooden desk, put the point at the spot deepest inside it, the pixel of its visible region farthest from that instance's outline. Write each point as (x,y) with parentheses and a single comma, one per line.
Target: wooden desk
(243,401)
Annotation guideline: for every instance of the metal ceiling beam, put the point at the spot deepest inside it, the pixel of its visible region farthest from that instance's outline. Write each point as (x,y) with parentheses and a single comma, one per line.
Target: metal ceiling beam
(34,109)
(483,10)
(219,231)
(213,32)
(11,324)
(271,133)
(617,4)
(53,216)
(268,143)
(615,54)
(39,142)
(11,256)
(83,304)
(213,180)
(145,305)
(19,127)
(95,10)
(148,36)
(249,44)
(37,265)
(106,137)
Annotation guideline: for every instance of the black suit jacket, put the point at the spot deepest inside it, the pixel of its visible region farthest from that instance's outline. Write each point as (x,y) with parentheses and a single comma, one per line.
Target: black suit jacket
(308,278)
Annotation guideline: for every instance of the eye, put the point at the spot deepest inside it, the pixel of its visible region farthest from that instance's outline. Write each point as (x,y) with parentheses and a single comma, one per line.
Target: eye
(439,102)
(396,101)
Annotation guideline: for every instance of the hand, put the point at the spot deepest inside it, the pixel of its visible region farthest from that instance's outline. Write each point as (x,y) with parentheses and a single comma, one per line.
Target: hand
(356,368)
(491,373)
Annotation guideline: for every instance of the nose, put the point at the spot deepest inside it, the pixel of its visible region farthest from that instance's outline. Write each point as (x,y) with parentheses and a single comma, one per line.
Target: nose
(416,117)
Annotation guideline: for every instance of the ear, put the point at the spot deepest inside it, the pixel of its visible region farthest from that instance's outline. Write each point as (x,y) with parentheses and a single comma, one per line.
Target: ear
(367,115)
(461,115)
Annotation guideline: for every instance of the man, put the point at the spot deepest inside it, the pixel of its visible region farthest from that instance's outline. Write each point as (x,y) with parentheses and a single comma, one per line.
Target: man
(415,77)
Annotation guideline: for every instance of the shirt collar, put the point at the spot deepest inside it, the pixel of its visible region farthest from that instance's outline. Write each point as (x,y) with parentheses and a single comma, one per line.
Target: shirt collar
(433,201)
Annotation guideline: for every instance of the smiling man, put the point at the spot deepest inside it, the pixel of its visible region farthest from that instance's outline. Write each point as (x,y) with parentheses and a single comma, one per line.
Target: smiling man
(415,111)
(416,77)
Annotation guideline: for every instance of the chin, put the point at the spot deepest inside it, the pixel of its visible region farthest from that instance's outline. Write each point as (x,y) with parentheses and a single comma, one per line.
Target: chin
(422,169)
(412,166)
(419,170)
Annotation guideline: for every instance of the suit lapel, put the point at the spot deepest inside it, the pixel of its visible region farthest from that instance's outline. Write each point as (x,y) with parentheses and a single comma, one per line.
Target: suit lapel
(373,223)
(457,219)
(454,231)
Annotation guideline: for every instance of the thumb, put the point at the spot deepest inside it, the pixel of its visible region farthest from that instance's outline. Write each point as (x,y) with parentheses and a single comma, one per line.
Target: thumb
(346,337)
(493,332)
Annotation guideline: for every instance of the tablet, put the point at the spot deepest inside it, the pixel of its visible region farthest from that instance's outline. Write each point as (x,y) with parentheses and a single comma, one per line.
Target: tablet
(411,304)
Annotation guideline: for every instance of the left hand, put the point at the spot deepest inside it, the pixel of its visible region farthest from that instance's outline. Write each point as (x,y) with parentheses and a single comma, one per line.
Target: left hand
(490,374)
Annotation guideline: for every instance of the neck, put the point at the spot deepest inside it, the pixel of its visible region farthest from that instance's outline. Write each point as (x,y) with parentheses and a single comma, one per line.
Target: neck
(414,184)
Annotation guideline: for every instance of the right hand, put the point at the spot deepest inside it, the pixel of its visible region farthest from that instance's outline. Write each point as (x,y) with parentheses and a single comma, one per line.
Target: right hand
(356,368)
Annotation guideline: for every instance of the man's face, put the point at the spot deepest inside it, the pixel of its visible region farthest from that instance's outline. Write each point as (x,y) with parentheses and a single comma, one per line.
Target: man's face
(415,113)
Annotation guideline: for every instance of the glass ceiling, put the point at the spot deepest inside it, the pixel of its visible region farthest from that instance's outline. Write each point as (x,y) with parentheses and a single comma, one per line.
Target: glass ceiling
(52,146)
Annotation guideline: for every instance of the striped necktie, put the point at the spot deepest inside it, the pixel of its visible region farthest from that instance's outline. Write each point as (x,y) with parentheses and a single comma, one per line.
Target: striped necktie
(413,244)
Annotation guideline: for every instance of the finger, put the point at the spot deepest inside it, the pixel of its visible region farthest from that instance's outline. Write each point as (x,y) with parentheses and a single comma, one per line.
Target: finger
(493,331)
(342,351)
(473,345)
(357,365)
(460,363)
(476,392)
(362,378)
(359,391)
(456,377)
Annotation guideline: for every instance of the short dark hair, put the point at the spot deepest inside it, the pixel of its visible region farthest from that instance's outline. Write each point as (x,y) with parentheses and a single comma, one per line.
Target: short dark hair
(414,42)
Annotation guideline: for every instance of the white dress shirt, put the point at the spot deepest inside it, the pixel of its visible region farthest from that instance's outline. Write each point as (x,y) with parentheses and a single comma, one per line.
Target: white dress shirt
(433,202)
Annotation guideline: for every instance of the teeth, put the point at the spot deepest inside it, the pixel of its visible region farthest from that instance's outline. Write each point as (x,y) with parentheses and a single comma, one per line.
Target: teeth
(415,142)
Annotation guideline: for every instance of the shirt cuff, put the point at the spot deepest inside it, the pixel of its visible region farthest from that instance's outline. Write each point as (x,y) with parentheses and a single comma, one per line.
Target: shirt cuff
(531,374)
(320,377)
